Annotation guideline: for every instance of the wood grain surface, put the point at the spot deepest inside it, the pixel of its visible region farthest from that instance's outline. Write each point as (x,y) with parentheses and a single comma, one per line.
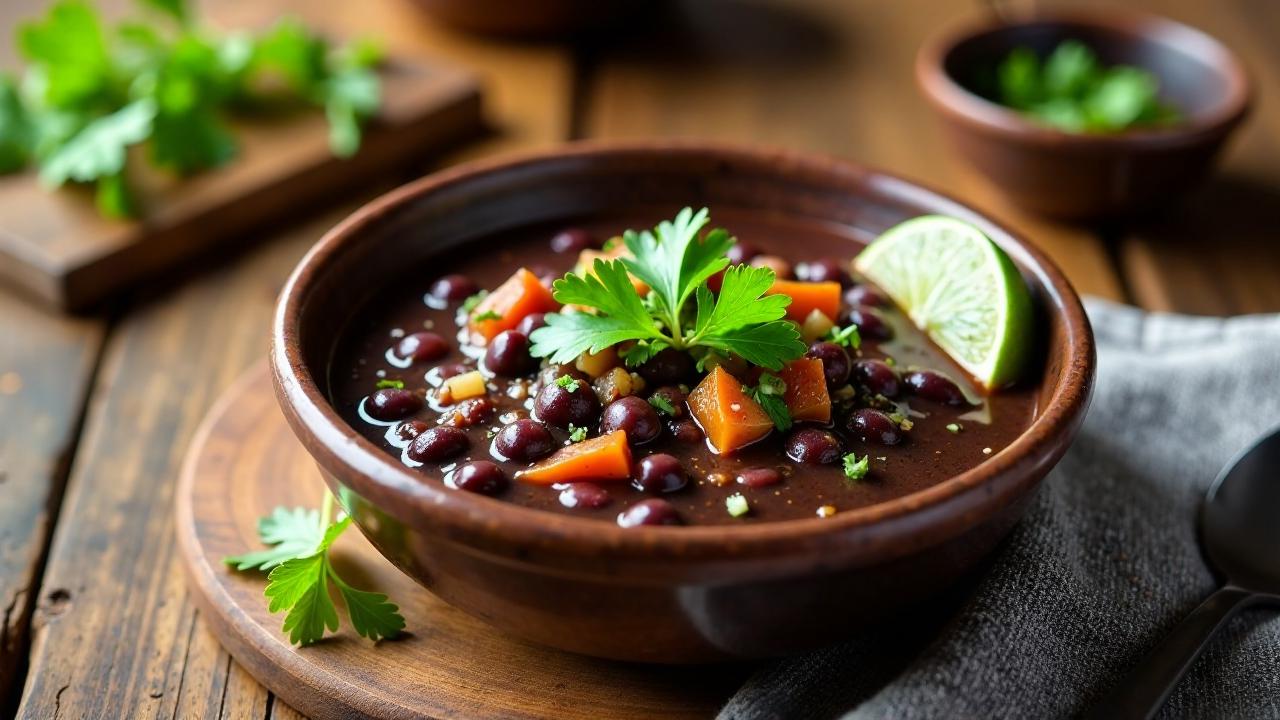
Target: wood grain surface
(114,632)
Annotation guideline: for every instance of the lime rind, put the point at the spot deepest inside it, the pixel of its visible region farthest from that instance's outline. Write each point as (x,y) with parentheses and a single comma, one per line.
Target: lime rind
(958,287)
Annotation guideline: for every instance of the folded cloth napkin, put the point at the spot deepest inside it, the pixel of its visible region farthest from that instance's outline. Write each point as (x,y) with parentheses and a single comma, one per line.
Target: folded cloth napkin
(1103,565)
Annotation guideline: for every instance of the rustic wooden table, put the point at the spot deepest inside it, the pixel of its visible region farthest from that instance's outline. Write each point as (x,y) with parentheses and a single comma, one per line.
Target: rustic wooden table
(97,412)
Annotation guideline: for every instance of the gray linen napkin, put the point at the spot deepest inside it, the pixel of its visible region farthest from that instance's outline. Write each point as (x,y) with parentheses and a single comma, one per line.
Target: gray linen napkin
(1104,564)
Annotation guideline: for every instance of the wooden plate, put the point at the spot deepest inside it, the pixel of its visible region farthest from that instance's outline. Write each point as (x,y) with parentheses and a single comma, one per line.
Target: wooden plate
(243,463)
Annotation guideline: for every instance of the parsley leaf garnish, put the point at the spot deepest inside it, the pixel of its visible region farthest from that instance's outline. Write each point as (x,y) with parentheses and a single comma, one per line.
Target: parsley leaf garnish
(845,337)
(662,405)
(301,571)
(568,382)
(577,434)
(856,469)
(680,311)
(769,395)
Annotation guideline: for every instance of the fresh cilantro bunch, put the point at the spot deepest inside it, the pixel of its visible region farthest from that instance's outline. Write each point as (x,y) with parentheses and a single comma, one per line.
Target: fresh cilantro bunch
(680,311)
(300,575)
(1072,91)
(91,93)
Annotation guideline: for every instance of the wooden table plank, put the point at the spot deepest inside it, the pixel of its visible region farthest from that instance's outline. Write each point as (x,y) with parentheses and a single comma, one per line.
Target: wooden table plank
(1218,252)
(828,76)
(114,631)
(46,365)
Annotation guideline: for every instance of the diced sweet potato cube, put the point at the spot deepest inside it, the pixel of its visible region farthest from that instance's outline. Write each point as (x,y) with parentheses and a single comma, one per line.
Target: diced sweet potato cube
(729,418)
(807,297)
(520,295)
(806,394)
(607,457)
(466,385)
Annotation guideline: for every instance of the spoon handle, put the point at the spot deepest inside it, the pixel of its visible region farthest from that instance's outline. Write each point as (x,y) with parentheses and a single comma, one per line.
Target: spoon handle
(1142,693)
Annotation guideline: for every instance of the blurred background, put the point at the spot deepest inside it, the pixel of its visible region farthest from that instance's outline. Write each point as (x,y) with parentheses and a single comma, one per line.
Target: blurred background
(97,406)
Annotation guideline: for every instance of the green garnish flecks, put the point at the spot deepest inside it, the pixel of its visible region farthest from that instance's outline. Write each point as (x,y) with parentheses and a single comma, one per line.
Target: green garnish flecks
(845,336)
(386,383)
(954,427)
(469,305)
(768,393)
(486,315)
(662,405)
(680,311)
(855,468)
(737,505)
(577,434)
(300,576)
(568,382)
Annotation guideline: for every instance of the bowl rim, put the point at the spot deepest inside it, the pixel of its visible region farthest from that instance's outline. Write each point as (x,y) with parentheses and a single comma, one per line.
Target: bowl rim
(330,439)
(964,105)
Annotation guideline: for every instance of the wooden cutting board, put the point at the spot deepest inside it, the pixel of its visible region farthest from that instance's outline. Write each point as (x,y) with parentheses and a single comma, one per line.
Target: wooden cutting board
(243,463)
(55,246)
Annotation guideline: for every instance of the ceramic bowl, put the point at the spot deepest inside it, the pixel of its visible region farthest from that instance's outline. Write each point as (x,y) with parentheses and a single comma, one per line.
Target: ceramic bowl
(1085,176)
(659,594)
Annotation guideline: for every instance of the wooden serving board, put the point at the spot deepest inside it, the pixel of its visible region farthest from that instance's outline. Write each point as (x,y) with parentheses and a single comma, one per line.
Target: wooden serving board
(56,246)
(243,463)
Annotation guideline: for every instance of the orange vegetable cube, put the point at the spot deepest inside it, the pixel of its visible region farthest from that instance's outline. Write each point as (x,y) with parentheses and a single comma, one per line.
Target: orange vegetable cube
(522,294)
(807,297)
(729,418)
(607,457)
(806,394)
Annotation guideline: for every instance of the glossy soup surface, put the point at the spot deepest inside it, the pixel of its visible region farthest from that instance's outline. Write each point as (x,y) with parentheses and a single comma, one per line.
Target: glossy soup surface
(926,453)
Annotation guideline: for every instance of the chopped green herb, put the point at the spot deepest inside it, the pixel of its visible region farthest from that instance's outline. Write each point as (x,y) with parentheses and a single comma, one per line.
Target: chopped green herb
(680,311)
(769,394)
(393,384)
(300,575)
(610,244)
(890,361)
(577,434)
(662,405)
(737,505)
(856,469)
(1071,90)
(486,315)
(568,383)
(470,303)
(845,337)
(93,92)
(954,427)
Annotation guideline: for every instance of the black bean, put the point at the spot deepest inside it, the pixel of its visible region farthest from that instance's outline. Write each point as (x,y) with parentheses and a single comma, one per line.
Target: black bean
(824,270)
(523,440)
(393,404)
(551,373)
(508,354)
(438,444)
(659,473)
(877,377)
(471,411)
(669,367)
(561,406)
(411,429)
(654,511)
(813,446)
(422,347)
(572,241)
(935,387)
(685,431)
(584,495)
(835,362)
(632,415)
(870,324)
(865,296)
(871,425)
(479,476)
(531,322)
(454,288)
(759,477)
(741,252)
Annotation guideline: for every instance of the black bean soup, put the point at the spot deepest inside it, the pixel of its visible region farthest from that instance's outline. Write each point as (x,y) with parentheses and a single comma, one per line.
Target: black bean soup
(897,402)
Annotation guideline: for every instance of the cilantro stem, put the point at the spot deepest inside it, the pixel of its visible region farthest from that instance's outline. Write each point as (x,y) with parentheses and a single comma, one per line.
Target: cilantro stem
(326,509)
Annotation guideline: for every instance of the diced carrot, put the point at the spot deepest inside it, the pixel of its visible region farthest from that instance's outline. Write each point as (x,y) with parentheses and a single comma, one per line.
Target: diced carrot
(522,294)
(807,297)
(607,457)
(729,418)
(587,261)
(806,394)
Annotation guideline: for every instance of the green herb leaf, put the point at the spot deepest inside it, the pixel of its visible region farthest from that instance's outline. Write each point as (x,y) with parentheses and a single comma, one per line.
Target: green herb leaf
(845,337)
(856,469)
(372,614)
(769,395)
(292,533)
(17,135)
(99,149)
(176,9)
(662,405)
(301,586)
(577,434)
(568,382)
(391,384)
(70,51)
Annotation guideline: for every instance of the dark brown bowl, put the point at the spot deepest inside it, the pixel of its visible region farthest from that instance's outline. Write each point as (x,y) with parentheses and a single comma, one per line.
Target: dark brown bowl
(1088,176)
(662,594)
(528,19)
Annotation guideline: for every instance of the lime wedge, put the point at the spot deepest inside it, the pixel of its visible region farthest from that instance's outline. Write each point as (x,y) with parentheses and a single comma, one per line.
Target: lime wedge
(960,289)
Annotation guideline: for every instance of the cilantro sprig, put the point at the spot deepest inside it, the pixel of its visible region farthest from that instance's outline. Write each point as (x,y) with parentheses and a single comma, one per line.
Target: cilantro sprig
(680,311)
(91,92)
(301,573)
(769,394)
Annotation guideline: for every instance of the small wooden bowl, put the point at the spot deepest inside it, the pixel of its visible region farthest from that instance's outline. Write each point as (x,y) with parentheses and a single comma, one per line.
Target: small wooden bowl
(658,594)
(1087,176)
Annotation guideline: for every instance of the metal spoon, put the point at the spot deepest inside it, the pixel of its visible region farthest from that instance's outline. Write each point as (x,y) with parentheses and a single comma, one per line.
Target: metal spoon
(1240,532)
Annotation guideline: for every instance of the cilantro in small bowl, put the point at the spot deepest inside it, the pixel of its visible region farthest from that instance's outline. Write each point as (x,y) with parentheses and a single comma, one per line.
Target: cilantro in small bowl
(1073,91)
